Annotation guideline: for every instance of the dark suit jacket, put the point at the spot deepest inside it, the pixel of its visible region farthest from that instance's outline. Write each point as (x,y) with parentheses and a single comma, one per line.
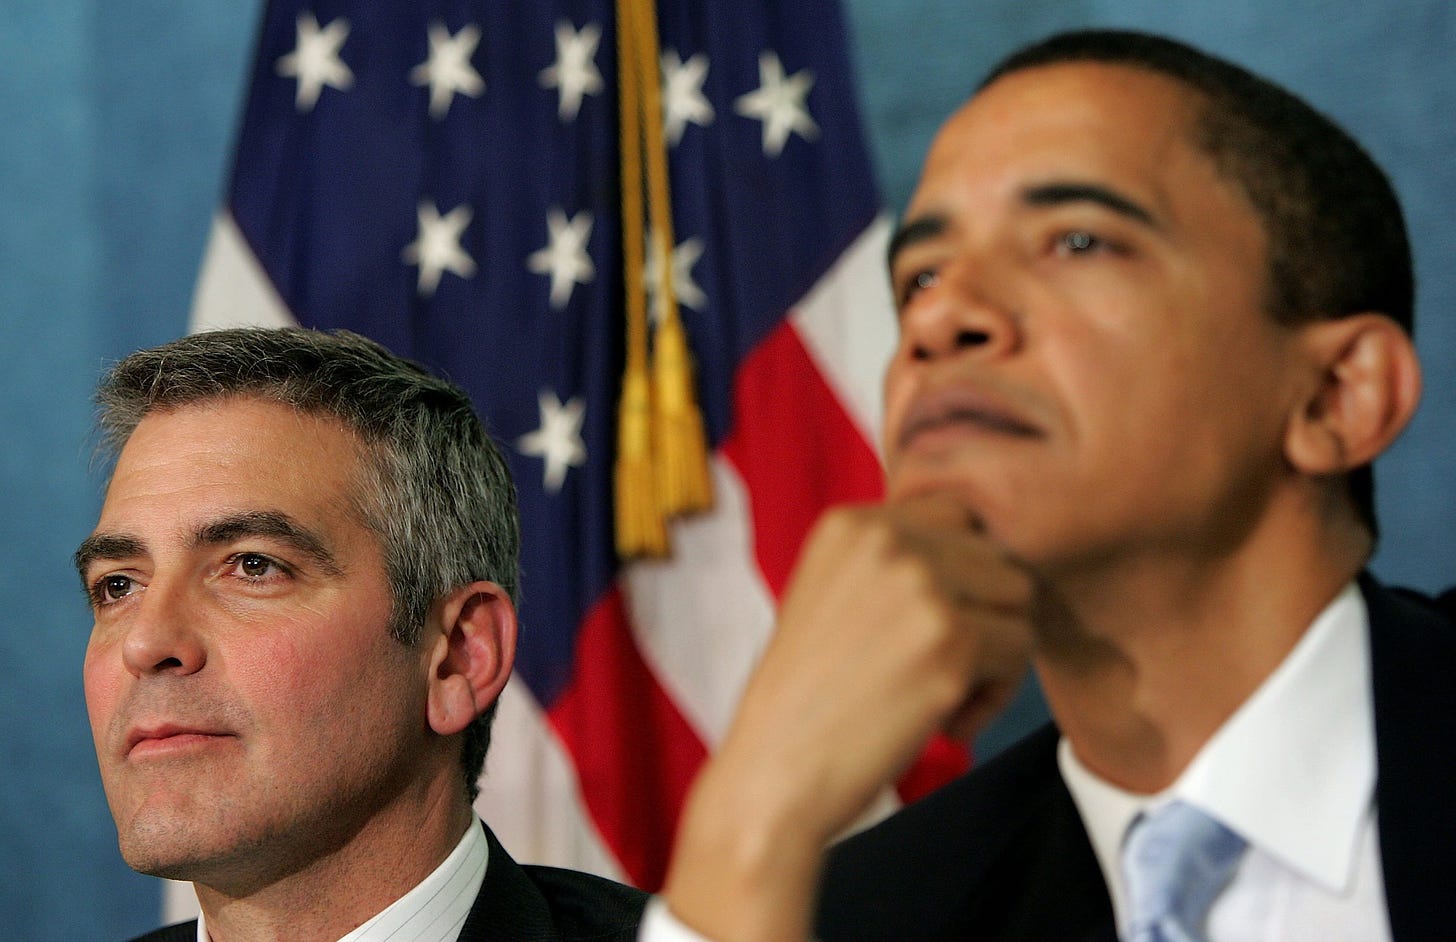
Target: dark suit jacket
(1001,854)
(524,904)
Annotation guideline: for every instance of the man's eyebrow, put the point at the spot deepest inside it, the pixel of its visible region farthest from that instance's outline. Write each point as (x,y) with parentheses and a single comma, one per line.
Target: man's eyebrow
(272,525)
(1060,194)
(920,229)
(105,546)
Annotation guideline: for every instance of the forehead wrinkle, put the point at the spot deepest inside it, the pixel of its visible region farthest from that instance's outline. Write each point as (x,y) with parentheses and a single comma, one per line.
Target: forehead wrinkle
(272,525)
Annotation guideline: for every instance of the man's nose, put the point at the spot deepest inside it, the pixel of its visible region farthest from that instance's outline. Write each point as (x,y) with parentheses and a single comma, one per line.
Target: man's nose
(959,314)
(164,636)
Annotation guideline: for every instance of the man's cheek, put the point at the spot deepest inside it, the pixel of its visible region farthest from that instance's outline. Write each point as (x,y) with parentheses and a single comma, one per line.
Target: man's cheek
(101,684)
(893,421)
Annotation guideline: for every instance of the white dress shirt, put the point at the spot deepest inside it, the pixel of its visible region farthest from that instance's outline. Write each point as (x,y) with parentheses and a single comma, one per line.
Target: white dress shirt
(436,909)
(1292,772)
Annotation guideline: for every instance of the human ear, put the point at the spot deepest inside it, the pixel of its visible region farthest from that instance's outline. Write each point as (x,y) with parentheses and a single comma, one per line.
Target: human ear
(1365,385)
(472,658)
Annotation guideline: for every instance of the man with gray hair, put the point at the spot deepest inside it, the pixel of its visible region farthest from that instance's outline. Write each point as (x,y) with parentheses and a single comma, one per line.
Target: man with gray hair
(304,584)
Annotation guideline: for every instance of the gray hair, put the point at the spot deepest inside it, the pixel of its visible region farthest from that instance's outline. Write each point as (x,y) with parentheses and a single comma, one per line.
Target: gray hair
(435,487)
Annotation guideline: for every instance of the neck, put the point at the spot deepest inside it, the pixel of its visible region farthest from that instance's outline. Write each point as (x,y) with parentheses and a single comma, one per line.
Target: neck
(1143,660)
(335,893)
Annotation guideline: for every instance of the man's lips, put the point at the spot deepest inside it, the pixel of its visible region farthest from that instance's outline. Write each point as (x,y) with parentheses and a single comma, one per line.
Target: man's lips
(166,737)
(960,407)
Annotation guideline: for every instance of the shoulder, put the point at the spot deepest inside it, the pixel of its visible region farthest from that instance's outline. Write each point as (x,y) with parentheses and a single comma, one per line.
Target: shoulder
(181,932)
(587,906)
(1412,637)
(1412,659)
(1396,608)
(549,904)
(978,853)
(989,801)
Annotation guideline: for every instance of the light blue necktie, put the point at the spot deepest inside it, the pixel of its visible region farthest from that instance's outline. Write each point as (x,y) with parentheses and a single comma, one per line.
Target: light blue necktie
(1175,862)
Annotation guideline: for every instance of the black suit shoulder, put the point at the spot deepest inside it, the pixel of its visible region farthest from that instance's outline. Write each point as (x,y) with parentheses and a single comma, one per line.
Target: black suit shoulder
(1412,659)
(998,854)
(587,906)
(180,932)
(548,904)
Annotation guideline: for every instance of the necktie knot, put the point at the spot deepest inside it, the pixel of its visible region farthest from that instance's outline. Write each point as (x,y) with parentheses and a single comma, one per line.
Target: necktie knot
(1176,861)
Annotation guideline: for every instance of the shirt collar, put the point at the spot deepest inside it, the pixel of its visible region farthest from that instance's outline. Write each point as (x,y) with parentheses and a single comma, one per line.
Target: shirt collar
(436,909)
(1292,771)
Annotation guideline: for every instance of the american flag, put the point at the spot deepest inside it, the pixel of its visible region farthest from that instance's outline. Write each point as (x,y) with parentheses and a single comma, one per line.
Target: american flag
(443,177)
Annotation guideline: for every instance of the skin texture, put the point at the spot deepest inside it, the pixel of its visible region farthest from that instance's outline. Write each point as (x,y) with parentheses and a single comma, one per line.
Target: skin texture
(1102,455)
(258,730)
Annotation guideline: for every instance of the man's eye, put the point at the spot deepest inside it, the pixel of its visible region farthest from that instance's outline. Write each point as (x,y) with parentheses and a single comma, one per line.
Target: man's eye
(917,282)
(255,566)
(1077,242)
(112,588)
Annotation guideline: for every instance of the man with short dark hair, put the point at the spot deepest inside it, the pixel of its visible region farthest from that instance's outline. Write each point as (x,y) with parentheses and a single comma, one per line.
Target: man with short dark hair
(303,580)
(1154,326)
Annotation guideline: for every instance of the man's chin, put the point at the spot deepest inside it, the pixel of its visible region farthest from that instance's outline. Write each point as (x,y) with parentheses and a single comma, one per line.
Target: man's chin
(171,852)
(185,871)
(214,863)
(176,843)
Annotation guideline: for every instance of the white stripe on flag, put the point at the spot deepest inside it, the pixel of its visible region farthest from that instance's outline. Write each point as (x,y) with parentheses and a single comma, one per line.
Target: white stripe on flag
(847,322)
(232,288)
(702,618)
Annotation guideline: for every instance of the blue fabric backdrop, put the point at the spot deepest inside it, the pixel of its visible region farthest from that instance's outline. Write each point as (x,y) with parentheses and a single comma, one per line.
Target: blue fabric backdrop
(115,123)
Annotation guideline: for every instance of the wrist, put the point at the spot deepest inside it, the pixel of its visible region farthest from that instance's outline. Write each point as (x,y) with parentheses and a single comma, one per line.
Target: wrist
(743,868)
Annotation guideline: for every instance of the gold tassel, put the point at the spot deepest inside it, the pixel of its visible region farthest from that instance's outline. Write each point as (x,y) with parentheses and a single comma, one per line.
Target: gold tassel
(679,444)
(682,447)
(662,465)
(640,529)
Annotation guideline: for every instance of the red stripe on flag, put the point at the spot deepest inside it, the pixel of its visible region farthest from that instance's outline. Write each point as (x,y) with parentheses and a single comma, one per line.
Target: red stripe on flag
(634,752)
(943,759)
(796,449)
(799,453)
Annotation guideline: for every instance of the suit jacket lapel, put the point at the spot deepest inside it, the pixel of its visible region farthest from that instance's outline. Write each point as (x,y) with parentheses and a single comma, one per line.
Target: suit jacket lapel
(1047,884)
(1413,660)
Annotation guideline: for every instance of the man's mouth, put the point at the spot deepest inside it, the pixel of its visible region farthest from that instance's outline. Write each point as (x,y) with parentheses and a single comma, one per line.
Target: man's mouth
(165,738)
(963,409)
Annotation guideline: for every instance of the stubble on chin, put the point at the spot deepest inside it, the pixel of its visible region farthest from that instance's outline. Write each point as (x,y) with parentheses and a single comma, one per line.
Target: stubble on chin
(164,833)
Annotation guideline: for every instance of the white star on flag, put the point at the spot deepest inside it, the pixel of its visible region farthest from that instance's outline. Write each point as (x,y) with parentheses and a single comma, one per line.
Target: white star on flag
(436,249)
(779,103)
(574,72)
(564,258)
(558,441)
(448,69)
(315,60)
(682,94)
(684,288)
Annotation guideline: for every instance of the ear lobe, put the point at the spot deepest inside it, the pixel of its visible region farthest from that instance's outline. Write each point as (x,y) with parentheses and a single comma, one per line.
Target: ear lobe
(1367,383)
(472,660)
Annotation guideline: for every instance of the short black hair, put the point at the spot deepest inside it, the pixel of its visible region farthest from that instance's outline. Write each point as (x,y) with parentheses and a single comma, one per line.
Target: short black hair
(1336,233)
